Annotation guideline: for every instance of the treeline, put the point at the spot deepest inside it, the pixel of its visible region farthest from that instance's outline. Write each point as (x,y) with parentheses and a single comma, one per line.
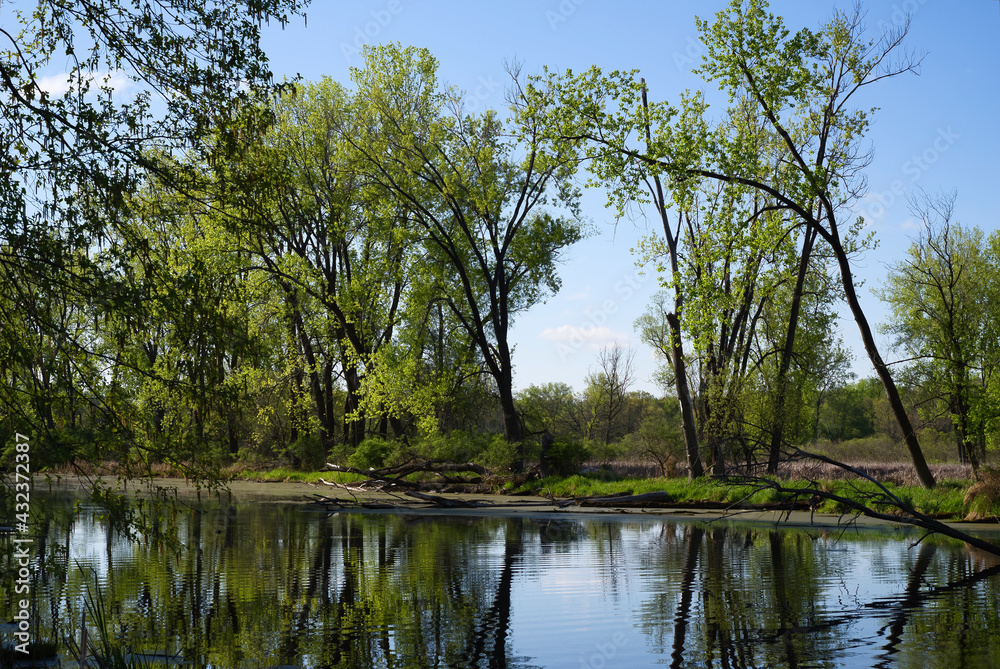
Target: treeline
(851,421)
(353,270)
(315,270)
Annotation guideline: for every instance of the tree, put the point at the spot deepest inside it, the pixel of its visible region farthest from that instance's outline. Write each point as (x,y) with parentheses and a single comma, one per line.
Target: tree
(848,411)
(732,262)
(734,269)
(670,343)
(200,348)
(608,389)
(338,252)
(476,205)
(72,157)
(660,328)
(941,301)
(802,86)
(553,408)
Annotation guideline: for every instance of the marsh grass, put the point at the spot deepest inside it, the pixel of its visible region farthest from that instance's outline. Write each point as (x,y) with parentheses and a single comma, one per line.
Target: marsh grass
(982,498)
(105,652)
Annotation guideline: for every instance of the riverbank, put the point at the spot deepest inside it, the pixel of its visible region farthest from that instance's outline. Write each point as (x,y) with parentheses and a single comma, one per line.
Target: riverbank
(340,499)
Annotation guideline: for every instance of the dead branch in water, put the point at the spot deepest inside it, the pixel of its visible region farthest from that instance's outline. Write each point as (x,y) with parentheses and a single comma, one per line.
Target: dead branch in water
(393,478)
(866,502)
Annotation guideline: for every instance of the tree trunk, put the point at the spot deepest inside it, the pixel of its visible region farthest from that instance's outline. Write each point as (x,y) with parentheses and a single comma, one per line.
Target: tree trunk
(512,427)
(884,375)
(688,427)
(330,426)
(778,428)
(354,428)
(960,418)
(503,372)
(688,578)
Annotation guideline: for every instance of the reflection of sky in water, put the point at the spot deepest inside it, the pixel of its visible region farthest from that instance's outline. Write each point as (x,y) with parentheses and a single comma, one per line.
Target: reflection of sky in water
(88,544)
(602,592)
(577,607)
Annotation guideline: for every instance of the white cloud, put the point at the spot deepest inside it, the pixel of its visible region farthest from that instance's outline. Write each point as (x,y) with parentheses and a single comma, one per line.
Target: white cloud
(59,84)
(587,335)
(582,295)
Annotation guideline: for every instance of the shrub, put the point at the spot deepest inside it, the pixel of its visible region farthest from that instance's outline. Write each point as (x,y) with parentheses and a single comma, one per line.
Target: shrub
(307,451)
(498,456)
(456,446)
(659,439)
(605,453)
(566,457)
(375,453)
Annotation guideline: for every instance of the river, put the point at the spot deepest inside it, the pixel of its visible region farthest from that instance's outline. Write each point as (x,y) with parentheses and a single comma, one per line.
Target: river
(260,584)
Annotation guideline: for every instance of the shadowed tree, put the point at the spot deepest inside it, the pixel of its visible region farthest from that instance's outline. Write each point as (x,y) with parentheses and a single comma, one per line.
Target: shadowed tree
(475,189)
(942,301)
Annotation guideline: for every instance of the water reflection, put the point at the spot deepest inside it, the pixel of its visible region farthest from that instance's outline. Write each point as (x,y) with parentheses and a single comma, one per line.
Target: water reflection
(256,585)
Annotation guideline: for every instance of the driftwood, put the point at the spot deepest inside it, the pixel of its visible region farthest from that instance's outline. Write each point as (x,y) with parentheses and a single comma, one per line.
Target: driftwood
(662,500)
(332,504)
(438,467)
(645,499)
(412,467)
(443,501)
(359,486)
(394,476)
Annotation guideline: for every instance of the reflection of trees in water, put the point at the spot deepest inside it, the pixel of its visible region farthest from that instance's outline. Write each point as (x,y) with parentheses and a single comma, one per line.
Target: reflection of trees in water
(687,595)
(264,585)
(734,598)
(955,623)
(348,591)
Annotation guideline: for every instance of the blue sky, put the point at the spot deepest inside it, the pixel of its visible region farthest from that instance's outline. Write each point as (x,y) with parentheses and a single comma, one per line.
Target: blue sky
(936,131)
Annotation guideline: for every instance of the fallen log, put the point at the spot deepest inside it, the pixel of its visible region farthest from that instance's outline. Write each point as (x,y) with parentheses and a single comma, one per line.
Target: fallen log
(644,499)
(395,475)
(443,501)
(372,474)
(433,466)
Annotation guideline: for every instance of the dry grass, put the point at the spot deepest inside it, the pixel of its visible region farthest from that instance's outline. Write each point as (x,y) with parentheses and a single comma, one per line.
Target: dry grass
(110,468)
(983,495)
(899,473)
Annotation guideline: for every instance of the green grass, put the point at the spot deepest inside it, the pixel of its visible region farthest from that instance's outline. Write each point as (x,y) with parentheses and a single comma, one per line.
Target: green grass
(680,490)
(945,501)
(284,475)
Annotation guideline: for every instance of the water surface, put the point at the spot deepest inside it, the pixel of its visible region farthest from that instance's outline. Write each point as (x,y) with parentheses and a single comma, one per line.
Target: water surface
(261,584)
